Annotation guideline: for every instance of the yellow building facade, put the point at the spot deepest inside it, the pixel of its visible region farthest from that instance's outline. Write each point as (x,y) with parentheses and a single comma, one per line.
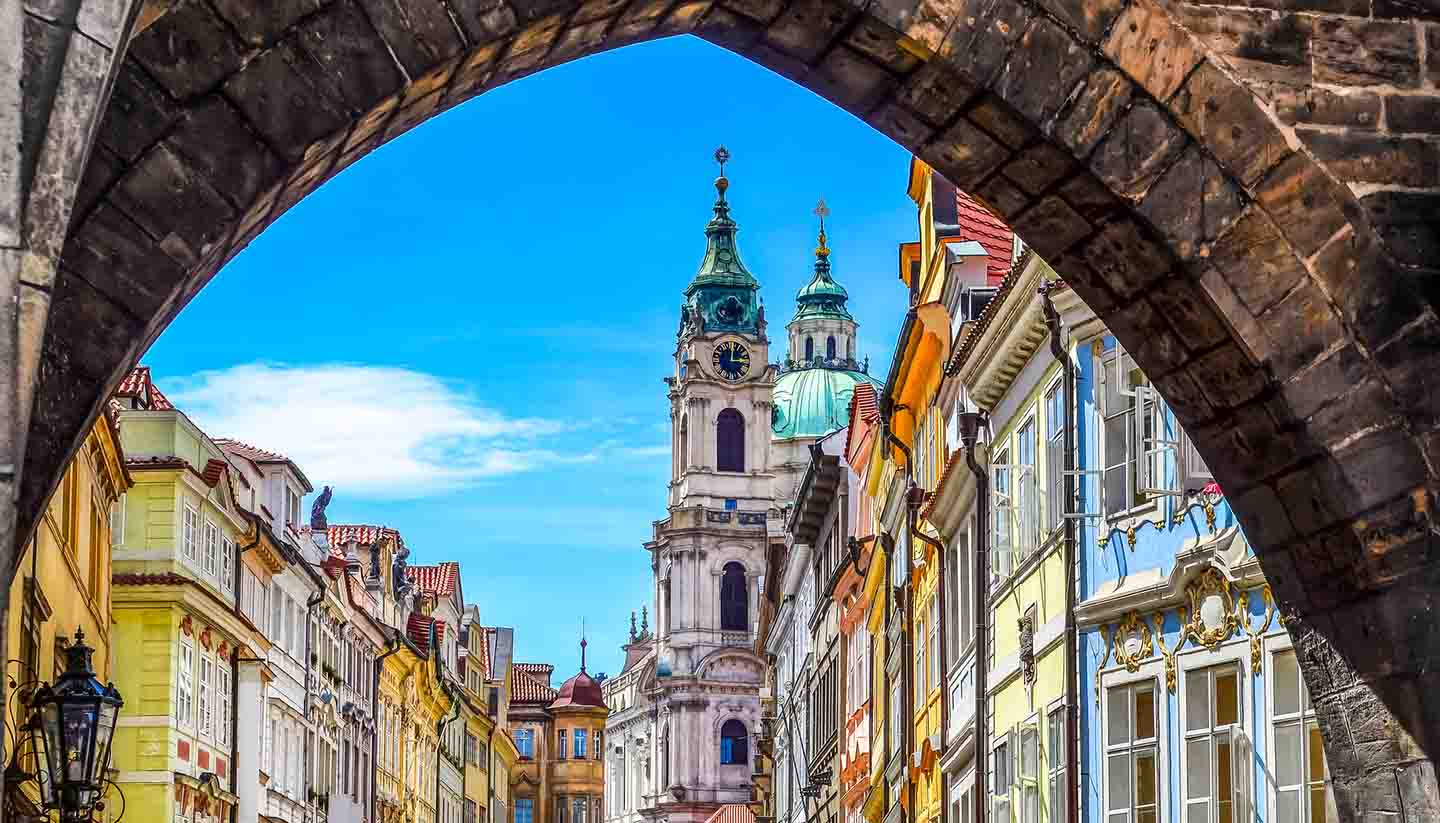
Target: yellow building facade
(177,616)
(62,585)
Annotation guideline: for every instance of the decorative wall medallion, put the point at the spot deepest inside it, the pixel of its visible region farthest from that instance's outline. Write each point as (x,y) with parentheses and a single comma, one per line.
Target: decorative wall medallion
(1027,648)
(1169,654)
(1133,642)
(1255,635)
(1213,617)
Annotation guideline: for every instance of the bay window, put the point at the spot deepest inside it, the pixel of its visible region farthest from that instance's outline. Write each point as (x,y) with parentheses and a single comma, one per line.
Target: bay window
(1131,746)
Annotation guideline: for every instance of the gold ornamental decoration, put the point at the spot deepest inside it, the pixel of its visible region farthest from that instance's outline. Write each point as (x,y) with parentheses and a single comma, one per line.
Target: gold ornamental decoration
(1132,630)
(1169,654)
(1211,584)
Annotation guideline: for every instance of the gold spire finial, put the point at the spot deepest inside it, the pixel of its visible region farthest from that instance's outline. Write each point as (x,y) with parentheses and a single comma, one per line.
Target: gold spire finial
(822,211)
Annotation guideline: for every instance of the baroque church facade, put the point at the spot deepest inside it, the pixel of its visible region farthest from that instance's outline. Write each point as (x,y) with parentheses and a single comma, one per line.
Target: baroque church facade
(686,709)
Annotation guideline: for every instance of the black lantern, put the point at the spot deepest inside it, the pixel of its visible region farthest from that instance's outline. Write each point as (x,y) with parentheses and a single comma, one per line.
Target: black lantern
(75,721)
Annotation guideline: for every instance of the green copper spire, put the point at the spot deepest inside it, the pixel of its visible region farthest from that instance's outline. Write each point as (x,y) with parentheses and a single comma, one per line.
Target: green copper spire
(722,265)
(723,295)
(822,296)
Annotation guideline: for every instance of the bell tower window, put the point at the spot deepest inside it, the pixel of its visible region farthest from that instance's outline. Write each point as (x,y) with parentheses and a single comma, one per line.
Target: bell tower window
(734,600)
(730,442)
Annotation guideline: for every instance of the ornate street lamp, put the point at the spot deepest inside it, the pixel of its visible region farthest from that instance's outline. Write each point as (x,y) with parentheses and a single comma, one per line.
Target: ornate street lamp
(74,720)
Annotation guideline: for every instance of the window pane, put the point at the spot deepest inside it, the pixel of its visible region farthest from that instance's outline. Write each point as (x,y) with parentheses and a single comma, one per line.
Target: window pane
(1286,676)
(1144,714)
(1197,700)
(1227,698)
(1287,755)
(1119,777)
(1197,768)
(1118,723)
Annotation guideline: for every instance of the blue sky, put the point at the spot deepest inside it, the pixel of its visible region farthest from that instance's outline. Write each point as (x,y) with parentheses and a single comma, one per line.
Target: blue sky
(466,331)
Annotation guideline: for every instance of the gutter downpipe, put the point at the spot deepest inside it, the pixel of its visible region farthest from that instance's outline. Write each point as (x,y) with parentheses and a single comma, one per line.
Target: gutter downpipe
(970,423)
(1072,703)
(394,647)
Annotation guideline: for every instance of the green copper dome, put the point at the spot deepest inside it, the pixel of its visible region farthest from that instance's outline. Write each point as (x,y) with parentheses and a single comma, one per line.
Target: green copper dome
(811,402)
(822,296)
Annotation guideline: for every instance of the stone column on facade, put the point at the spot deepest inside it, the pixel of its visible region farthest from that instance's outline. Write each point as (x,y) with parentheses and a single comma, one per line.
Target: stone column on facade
(249,717)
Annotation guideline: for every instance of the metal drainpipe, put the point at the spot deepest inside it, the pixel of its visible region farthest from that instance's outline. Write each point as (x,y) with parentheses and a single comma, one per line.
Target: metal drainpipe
(1072,643)
(970,423)
(394,646)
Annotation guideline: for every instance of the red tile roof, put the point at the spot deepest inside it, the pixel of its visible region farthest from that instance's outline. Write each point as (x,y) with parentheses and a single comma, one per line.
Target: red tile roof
(525,688)
(437,580)
(732,813)
(979,224)
(138,386)
(362,534)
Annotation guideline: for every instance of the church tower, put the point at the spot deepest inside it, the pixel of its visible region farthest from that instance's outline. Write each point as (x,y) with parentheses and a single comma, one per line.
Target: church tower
(708,554)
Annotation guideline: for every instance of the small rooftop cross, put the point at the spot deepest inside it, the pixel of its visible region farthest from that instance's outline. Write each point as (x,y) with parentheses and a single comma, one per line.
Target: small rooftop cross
(722,156)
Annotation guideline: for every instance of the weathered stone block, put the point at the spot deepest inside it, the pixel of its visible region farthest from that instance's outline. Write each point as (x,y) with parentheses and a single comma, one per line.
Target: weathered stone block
(263,21)
(1304,203)
(1353,52)
(1126,257)
(982,36)
(1323,107)
(1089,114)
(1357,157)
(851,81)
(935,92)
(1044,50)
(1257,262)
(1092,18)
(965,154)
(419,32)
(280,103)
(1051,227)
(1138,149)
(1225,117)
(189,50)
(1147,44)
(1192,203)
(1408,224)
(808,26)
(1038,168)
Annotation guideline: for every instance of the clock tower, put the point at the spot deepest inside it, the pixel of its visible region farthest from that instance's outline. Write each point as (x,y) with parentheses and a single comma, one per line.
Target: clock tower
(720,409)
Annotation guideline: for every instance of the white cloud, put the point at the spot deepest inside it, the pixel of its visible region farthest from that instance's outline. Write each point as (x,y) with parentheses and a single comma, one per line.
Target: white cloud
(372,431)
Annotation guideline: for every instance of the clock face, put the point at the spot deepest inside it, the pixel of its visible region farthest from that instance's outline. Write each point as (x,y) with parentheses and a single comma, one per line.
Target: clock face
(731,360)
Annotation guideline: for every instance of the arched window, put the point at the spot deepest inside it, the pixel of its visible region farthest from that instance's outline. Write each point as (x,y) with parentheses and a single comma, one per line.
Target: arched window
(730,442)
(734,744)
(809,349)
(734,599)
(830,348)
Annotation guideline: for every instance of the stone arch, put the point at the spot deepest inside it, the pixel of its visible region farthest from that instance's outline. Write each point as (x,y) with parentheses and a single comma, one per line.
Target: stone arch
(1286,319)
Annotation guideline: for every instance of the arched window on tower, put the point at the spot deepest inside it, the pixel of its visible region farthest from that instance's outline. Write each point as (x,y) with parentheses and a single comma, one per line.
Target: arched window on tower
(734,599)
(730,442)
(734,744)
(830,348)
(809,349)
(684,444)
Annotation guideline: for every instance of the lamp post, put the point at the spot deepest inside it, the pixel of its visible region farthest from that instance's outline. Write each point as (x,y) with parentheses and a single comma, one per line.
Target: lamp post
(75,721)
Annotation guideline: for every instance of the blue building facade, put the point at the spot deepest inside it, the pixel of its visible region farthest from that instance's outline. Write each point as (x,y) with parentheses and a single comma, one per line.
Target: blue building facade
(1192,707)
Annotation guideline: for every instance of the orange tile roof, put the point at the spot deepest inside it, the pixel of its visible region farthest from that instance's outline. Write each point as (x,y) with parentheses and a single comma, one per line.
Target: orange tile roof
(138,386)
(979,224)
(732,813)
(438,580)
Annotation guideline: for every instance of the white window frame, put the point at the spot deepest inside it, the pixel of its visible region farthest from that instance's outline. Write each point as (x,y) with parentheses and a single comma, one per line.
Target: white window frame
(185,683)
(1277,646)
(190,534)
(1233,735)
(1131,749)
